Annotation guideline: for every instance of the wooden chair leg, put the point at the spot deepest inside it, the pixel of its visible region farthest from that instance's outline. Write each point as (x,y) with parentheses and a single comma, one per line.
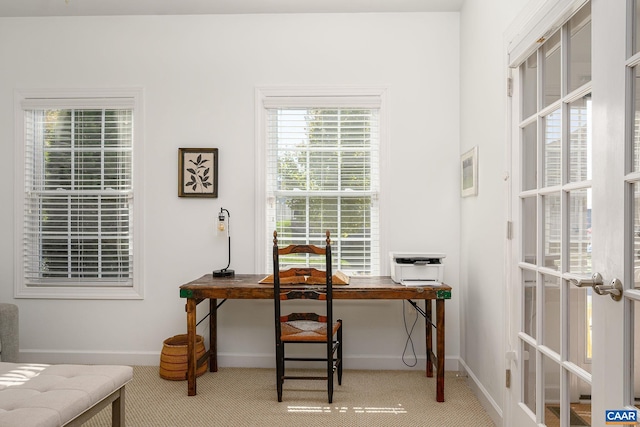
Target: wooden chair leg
(279,369)
(340,353)
(330,380)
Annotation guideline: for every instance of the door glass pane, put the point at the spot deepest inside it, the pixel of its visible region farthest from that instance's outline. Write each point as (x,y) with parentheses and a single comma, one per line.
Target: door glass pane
(551,388)
(529,157)
(552,149)
(636,120)
(580,231)
(529,376)
(579,402)
(552,231)
(529,85)
(529,221)
(530,302)
(551,54)
(580,326)
(579,411)
(580,139)
(636,235)
(580,48)
(551,312)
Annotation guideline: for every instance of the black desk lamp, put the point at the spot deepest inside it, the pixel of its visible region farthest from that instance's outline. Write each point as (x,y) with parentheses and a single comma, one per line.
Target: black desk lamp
(223,224)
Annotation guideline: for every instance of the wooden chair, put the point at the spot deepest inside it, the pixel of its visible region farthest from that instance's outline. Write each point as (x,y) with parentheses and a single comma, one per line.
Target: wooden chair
(296,328)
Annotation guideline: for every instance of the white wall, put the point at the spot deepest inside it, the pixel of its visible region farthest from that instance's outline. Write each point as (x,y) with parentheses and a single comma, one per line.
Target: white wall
(199,74)
(483,219)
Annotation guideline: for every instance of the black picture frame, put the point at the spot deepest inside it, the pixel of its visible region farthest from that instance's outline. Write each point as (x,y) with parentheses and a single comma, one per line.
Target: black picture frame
(198,172)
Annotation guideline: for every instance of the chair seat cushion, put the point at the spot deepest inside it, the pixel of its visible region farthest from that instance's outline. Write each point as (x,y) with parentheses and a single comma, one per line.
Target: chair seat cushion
(306,330)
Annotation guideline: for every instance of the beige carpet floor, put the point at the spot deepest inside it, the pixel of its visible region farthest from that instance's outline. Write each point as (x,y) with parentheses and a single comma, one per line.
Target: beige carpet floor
(247,397)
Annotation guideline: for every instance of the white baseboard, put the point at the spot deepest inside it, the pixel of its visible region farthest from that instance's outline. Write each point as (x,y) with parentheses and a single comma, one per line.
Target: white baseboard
(151,358)
(261,360)
(488,403)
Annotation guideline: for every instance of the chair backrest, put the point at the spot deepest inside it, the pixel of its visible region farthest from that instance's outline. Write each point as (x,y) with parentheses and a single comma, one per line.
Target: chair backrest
(322,280)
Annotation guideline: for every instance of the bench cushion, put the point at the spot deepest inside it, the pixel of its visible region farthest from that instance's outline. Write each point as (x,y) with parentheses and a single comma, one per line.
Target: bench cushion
(52,395)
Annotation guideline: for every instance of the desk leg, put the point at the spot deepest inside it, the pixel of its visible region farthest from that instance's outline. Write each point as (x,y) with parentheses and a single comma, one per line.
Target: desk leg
(440,349)
(429,335)
(213,335)
(191,346)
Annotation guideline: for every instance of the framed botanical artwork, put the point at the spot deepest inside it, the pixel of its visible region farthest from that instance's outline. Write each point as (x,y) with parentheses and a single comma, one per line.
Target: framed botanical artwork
(198,172)
(469,173)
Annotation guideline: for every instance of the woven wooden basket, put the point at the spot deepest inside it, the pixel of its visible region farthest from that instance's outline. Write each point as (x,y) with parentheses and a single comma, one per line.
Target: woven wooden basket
(173,358)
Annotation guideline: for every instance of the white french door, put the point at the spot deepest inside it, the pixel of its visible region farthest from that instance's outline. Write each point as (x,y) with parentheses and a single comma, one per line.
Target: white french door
(576,212)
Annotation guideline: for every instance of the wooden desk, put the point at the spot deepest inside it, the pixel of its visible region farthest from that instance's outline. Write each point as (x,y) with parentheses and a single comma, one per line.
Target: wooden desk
(246,286)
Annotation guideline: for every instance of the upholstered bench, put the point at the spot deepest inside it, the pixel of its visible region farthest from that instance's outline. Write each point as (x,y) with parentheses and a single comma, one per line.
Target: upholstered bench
(60,395)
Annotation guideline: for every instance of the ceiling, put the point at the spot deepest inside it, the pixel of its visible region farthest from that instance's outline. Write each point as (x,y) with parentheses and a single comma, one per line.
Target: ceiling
(24,8)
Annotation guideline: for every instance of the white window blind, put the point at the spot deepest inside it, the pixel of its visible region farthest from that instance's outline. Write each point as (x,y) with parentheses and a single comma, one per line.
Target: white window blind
(78,195)
(323,174)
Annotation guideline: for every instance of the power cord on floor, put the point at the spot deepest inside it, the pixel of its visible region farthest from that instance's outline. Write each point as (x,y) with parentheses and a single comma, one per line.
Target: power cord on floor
(409,342)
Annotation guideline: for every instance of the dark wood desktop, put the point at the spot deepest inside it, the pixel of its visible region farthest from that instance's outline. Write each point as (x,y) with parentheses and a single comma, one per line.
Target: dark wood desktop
(247,286)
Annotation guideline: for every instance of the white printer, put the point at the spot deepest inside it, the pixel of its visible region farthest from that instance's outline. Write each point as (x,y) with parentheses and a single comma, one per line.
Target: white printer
(417,268)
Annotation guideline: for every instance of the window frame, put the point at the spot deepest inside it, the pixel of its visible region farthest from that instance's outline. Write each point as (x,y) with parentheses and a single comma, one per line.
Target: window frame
(301,96)
(49,98)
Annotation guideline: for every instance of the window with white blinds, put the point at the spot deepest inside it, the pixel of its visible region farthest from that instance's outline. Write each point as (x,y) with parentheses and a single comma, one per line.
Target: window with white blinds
(323,174)
(77,204)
